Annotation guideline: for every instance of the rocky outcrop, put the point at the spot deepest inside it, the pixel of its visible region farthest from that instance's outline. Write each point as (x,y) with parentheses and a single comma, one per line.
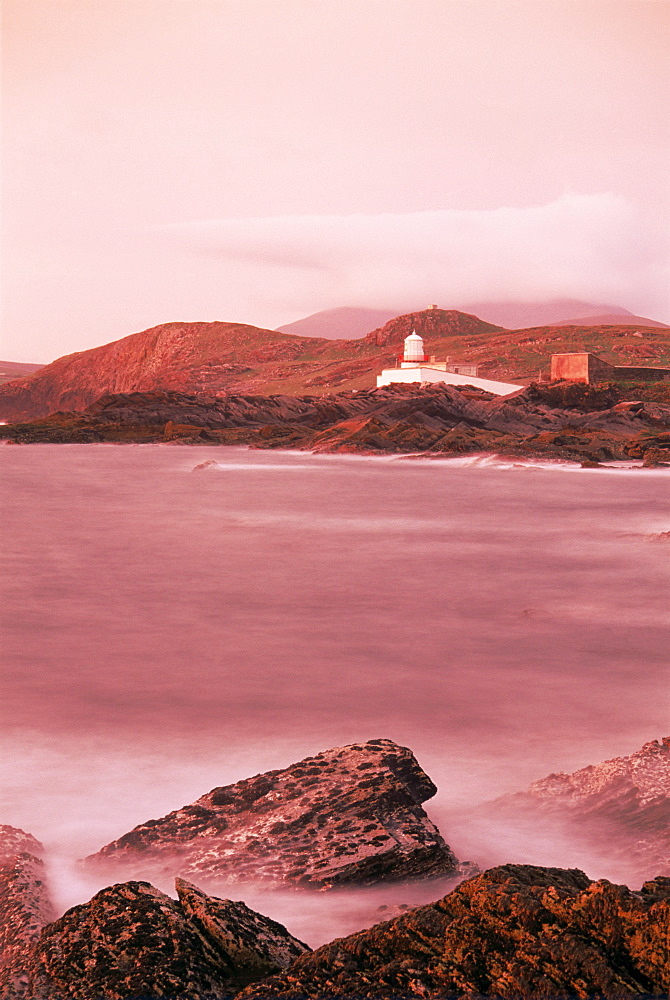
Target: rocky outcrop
(24,908)
(514,932)
(623,803)
(351,815)
(563,421)
(131,940)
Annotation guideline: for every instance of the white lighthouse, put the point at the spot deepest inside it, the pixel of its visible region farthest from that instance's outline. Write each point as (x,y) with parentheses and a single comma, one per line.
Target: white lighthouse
(416,367)
(413,349)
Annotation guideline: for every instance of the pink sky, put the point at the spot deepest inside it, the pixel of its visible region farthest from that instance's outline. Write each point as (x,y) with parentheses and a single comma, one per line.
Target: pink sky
(258,160)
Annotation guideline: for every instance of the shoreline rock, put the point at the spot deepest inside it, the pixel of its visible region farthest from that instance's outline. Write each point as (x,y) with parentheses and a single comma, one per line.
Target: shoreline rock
(348,816)
(25,908)
(623,803)
(516,931)
(131,940)
(562,421)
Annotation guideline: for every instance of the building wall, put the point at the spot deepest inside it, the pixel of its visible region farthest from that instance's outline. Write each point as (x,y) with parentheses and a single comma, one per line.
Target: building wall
(584,367)
(425,374)
(625,374)
(580,367)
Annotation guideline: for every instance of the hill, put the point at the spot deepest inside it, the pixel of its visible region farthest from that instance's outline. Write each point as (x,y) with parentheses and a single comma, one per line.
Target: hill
(10,370)
(223,358)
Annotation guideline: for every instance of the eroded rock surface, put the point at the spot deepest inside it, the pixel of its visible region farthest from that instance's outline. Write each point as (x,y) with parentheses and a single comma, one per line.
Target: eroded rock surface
(588,424)
(623,803)
(517,931)
(351,815)
(131,940)
(24,908)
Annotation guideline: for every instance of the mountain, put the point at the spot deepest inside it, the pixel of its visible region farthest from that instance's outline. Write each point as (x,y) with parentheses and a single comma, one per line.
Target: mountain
(344,323)
(224,358)
(612,319)
(555,312)
(434,325)
(199,357)
(196,357)
(350,815)
(517,931)
(348,322)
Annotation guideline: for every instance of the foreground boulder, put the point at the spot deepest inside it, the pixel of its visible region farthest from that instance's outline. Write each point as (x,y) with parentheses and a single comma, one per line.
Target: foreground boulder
(623,803)
(24,907)
(351,815)
(131,940)
(515,932)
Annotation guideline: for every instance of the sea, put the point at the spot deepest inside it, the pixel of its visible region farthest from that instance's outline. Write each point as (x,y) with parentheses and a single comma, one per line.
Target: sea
(177,618)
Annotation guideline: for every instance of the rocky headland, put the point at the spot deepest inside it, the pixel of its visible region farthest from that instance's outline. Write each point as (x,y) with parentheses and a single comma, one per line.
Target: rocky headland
(223,359)
(349,816)
(579,423)
(515,932)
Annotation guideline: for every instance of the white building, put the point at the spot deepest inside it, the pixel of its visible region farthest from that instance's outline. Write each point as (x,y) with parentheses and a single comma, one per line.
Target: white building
(416,367)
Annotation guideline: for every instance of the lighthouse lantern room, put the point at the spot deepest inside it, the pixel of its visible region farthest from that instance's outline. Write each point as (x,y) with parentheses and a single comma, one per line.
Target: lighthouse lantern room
(413,349)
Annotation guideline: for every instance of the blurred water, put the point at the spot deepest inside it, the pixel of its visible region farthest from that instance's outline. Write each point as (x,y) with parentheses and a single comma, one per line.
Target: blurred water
(167,630)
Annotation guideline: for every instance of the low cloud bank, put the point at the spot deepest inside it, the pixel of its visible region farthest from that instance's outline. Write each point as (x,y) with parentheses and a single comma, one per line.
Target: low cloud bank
(593,247)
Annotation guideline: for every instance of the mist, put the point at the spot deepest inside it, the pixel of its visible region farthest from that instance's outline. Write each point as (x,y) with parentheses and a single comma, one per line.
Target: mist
(593,247)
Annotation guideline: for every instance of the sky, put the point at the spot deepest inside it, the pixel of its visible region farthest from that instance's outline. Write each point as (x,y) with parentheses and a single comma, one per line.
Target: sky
(259,160)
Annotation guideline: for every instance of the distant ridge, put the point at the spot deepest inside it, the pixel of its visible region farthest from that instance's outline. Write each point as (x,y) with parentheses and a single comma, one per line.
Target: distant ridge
(351,322)
(613,319)
(16,369)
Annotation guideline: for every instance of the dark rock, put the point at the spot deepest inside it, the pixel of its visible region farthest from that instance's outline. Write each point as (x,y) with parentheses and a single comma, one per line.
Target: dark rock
(516,932)
(623,802)
(429,419)
(254,945)
(350,815)
(24,908)
(131,940)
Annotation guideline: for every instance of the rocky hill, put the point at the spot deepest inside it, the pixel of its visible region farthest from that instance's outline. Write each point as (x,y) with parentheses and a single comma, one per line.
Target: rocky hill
(567,421)
(224,358)
(351,815)
(434,325)
(623,803)
(515,932)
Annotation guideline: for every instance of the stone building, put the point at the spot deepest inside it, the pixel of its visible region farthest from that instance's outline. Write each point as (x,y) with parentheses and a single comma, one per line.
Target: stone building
(584,367)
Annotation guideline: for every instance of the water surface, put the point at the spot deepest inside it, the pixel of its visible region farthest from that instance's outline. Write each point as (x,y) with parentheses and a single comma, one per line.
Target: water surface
(166,630)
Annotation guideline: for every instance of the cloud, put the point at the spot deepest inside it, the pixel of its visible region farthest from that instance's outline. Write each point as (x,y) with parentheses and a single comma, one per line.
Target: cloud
(582,246)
